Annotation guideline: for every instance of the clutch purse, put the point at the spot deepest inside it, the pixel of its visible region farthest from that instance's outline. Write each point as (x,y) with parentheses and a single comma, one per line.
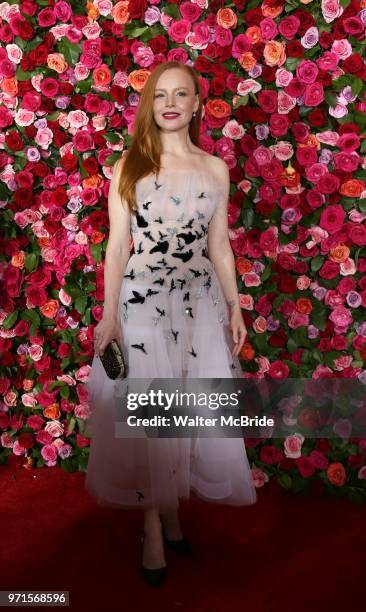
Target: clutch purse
(113,361)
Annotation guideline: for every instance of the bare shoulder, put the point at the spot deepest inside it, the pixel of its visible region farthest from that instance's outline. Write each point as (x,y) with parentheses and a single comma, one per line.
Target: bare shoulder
(219,169)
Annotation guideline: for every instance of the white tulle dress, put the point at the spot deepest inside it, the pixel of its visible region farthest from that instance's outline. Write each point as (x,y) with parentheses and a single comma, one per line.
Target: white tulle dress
(175,324)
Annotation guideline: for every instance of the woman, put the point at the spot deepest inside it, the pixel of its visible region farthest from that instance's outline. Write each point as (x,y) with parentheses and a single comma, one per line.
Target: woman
(176,313)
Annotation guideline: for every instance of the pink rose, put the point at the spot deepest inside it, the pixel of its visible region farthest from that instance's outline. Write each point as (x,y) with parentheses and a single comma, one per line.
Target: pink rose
(259,477)
(315,172)
(49,454)
(331,9)
(328,61)
(307,72)
(262,155)
(289,26)
(268,28)
(292,445)
(314,198)
(347,162)
(349,142)
(341,317)
(285,102)
(283,77)
(307,156)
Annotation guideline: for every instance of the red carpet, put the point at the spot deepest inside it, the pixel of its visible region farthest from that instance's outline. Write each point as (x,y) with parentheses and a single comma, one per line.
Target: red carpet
(287,553)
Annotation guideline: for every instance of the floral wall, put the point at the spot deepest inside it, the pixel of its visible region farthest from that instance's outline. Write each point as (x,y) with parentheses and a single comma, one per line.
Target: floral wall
(283,85)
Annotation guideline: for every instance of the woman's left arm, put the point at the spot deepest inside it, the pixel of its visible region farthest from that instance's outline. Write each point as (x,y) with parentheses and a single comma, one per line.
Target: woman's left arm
(221,255)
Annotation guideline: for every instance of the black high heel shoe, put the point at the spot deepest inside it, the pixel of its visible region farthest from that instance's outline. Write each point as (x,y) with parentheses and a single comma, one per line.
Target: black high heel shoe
(183,545)
(153,577)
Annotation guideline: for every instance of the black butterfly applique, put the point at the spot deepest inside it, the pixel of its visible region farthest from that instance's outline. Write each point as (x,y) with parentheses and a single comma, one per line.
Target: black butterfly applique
(208,283)
(198,235)
(196,273)
(140,249)
(171,268)
(141,222)
(159,281)
(162,235)
(184,256)
(140,495)
(186,297)
(202,195)
(161,247)
(140,346)
(137,299)
(150,292)
(180,246)
(146,206)
(172,285)
(158,220)
(162,261)
(188,310)
(188,225)
(153,268)
(149,236)
(188,238)
(192,352)
(161,312)
(131,275)
(175,334)
(182,282)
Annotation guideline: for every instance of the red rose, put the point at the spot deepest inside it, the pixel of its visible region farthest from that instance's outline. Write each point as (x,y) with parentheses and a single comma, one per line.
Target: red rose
(14,141)
(268,100)
(278,125)
(305,466)
(314,94)
(328,183)
(317,117)
(270,454)
(353,63)
(329,270)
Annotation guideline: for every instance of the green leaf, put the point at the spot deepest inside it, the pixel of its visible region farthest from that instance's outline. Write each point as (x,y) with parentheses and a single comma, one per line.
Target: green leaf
(31,262)
(10,319)
(316,263)
(284,480)
(356,86)
(80,303)
(96,251)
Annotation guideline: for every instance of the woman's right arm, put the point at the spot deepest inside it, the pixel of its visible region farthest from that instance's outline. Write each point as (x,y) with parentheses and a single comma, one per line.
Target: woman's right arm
(116,258)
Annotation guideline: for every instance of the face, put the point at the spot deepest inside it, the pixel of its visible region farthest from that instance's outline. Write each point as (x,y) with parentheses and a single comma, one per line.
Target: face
(174,92)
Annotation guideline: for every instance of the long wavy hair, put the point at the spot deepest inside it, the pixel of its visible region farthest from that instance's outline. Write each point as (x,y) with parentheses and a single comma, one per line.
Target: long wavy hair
(143,155)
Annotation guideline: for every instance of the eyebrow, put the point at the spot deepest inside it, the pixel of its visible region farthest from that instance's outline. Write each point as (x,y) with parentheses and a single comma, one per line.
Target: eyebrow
(161,89)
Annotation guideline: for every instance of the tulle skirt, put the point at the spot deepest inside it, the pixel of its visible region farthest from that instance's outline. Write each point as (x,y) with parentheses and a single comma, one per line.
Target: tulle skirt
(157,472)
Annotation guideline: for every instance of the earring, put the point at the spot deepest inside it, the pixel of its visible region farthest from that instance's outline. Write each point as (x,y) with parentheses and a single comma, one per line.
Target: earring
(194,114)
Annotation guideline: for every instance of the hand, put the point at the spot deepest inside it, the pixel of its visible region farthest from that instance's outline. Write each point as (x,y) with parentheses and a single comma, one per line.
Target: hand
(238,330)
(104,332)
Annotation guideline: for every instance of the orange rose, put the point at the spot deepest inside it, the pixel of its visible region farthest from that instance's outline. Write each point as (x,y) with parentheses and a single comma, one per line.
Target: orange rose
(336,474)
(311,141)
(274,53)
(289,177)
(304,305)
(352,188)
(94,182)
(28,384)
(52,411)
(9,86)
(218,109)
(246,301)
(120,12)
(340,253)
(247,352)
(254,34)
(102,75)
(18,260)
(92,10)
(243,265)
(273,9)
(247,60)
(226,18)
(137,79)
(43,242)
(49,309)
(57,62)
(96,237)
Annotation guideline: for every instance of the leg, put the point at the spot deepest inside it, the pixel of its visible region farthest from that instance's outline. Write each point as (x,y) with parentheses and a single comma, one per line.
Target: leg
(153,555)
(171,524)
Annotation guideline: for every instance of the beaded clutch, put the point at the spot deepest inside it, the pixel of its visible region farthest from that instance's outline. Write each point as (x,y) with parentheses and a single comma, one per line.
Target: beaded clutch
(113,361)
